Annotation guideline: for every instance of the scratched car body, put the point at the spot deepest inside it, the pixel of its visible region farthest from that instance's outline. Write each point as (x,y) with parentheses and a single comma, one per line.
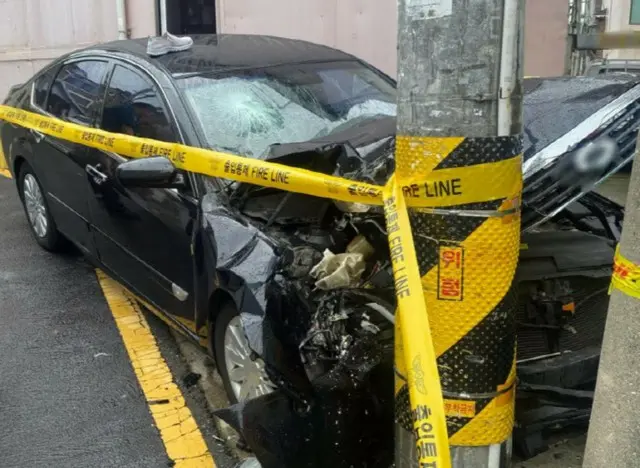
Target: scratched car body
(292,294)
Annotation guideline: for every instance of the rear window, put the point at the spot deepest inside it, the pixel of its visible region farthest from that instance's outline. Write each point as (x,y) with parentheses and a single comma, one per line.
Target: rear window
(77,92)
(41,87)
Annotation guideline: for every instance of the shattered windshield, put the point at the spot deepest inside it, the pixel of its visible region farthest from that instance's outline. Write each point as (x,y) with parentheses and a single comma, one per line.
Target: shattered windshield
(247,111)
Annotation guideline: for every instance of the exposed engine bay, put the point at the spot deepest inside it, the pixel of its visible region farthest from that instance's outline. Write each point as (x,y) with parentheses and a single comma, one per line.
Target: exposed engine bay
(334,271)
(336,256)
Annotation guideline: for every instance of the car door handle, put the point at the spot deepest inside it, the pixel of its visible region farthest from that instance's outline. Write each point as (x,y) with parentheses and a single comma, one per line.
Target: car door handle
(37,135)
(95,173)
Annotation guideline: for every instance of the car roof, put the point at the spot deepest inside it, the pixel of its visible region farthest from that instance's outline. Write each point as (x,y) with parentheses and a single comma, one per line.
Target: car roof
(214,53)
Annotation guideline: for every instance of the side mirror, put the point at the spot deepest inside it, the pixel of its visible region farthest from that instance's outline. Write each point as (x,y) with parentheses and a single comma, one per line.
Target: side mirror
(152,172)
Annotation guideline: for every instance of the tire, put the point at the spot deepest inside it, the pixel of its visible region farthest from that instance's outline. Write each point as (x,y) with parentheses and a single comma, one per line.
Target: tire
(228,317)
(41,223)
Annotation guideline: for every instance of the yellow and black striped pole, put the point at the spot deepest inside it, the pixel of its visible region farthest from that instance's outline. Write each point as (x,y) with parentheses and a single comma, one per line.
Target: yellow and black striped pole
(459,109)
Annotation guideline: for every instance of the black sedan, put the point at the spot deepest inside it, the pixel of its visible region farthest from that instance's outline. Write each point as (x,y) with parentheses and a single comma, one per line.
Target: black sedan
(291,294)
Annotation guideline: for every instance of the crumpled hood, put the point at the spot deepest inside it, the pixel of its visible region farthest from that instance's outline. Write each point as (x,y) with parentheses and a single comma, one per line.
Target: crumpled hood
(352,153)
(364,153)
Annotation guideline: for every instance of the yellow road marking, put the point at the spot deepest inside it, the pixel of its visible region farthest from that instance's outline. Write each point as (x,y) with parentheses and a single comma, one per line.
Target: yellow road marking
(178,429)
(4,168)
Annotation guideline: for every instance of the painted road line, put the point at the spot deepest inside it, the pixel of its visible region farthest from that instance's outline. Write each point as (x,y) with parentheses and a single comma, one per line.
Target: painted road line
(179,431)
(4,168)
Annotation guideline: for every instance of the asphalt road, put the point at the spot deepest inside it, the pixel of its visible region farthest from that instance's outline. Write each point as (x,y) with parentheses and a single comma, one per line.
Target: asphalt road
(69,395)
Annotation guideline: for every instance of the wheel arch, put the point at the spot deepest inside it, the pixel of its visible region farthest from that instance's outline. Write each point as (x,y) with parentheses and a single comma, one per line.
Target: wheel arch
(18,161)
(219,298)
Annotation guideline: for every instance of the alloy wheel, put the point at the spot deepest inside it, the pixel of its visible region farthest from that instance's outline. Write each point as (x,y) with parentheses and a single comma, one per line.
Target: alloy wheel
(246,373)
(35,205)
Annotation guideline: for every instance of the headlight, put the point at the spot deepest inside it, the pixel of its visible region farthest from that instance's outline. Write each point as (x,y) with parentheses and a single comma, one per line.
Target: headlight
(348,207)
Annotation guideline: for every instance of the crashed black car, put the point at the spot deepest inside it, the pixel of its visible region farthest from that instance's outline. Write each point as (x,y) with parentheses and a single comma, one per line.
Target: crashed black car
(292,294)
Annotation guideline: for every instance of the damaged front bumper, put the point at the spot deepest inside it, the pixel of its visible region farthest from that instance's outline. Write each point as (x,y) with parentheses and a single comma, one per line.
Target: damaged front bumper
(343,423)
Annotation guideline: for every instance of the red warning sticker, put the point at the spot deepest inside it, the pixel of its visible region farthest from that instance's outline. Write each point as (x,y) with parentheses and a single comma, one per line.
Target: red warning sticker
(451,273)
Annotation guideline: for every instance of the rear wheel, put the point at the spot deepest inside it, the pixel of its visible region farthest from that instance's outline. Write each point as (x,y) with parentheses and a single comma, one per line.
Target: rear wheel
(42,225)
(242,372)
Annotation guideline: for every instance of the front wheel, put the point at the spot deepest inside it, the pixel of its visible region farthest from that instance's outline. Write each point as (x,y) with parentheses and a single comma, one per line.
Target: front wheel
(242,372)
(42,225)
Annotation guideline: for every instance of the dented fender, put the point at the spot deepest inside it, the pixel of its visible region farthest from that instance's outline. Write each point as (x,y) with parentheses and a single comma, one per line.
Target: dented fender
(246,261)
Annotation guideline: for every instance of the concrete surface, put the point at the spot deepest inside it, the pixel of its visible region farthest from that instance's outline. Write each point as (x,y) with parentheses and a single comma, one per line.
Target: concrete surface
(566,453)
(616,188)
(614,430)
(69,396)
(212,388)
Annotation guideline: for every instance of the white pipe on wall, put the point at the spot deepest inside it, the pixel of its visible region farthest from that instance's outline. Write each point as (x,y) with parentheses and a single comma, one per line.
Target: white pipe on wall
(163,16)
(121,12)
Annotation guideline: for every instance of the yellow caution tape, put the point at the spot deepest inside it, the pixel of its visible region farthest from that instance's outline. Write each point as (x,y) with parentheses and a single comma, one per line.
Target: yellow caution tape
(414,340)
(444,188)
(626,275)
(200,160)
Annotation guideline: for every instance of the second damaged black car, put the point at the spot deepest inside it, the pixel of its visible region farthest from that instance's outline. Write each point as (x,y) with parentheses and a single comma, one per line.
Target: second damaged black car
(292,294)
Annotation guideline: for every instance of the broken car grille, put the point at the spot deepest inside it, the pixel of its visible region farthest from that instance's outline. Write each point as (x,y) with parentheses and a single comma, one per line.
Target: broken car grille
(551,189)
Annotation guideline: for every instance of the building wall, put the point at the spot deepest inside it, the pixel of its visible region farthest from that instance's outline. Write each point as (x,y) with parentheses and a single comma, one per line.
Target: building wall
(545,37)
(362,27)
(34,32)
(141,17)
(618,20)
(368,28)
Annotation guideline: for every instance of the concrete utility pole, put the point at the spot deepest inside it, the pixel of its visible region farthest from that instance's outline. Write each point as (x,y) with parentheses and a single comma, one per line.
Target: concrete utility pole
(614,430)
(460,75)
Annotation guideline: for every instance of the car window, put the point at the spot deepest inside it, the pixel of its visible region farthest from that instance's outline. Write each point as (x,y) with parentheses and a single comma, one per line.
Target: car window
(41,86)
(77,92)
(133,107)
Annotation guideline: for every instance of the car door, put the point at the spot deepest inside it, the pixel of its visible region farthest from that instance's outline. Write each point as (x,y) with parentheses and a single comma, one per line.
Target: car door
(143,235)
(74,95)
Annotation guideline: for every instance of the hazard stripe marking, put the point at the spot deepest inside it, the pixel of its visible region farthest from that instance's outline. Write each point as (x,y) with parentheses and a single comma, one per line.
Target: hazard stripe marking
(474,151)
(470,298)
